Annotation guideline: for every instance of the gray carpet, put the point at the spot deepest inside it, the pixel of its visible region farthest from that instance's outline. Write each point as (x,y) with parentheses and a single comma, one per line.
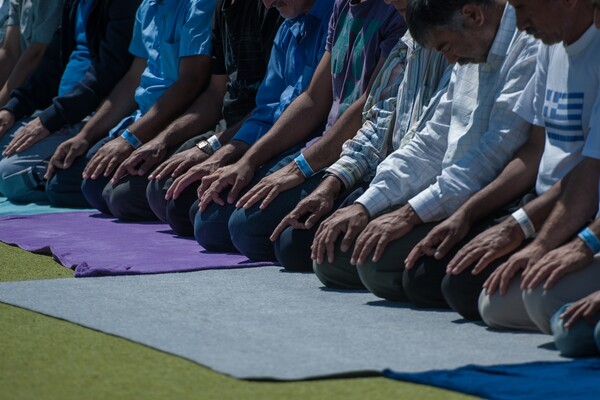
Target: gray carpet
(266,323)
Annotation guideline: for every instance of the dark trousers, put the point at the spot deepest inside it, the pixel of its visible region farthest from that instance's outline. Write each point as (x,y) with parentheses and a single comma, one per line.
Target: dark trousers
(225,228)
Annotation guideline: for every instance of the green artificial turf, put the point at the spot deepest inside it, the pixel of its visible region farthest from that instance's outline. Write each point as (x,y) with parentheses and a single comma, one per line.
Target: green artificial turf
(46,358)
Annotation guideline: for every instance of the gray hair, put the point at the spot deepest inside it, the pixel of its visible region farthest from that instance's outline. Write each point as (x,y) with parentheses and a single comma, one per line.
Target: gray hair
(424,15)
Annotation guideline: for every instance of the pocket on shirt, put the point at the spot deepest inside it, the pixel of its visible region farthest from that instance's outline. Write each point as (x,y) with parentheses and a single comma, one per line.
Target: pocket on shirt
(169,60)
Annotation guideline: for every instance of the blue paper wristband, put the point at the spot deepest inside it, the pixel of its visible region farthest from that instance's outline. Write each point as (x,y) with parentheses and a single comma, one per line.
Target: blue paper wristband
(131,139)
(303,166)
(590,239)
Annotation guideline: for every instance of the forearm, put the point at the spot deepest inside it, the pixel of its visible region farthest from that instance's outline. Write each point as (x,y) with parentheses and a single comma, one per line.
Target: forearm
(201,116)
(576,204)
(22,69)
(516,178)
(229,153)
(8,60)
(327,150)
(298,121)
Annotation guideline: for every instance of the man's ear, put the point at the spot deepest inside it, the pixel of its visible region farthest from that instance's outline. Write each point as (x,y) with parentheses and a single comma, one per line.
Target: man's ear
(473,15)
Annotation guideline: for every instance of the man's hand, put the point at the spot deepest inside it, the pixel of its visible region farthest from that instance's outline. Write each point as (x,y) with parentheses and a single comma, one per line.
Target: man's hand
(486,247)
(141,160)
(28,135)
(311,208)
(587,308)
(270,186)
(440,239)
(564,260)
(349,220)
(194,174)
(523,259)
(381,231)
(66,153)
(236,176)
(179,163)
(107,159)
(7,120)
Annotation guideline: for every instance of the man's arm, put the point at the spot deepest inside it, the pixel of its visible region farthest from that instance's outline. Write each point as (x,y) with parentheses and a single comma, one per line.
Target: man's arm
(10,51)
(306,113)
(25,65)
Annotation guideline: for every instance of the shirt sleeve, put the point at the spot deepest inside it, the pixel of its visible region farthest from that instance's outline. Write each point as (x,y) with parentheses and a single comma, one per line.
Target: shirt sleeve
(136,46)
(332,26)
(196,32)
(14,17)
(46,17)
(530,105)
(411,168)
(506,133)
(361,154)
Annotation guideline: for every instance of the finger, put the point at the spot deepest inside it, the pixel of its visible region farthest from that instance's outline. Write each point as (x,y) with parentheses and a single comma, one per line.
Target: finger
(413,256)
(575,315)
(483,262)
(183,182)
(447,243)
(180,168)
(238,185)
(147,164)
(462,260)
(311,220)
(25,144)
(49,171)
(279,228)
(252,196)
(70,158)
(381,246)
(491,283)
(121,171)
(507,276)
(162,169)
(553,278)
(363,240)
(112,165)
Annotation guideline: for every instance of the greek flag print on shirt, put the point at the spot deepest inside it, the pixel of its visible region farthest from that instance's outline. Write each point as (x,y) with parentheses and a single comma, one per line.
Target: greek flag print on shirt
(563,113)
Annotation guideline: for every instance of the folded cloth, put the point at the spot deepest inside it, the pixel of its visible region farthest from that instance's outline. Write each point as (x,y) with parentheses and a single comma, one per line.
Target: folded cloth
(577,379)
(98,245)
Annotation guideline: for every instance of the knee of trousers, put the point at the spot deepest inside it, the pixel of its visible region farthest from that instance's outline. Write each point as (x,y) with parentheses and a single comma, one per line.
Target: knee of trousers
(155,194)
(92,191)
(126,205)
(540,307)
(64,190)
(386,284)
(423,289)
(248,234)
(178,218)
(576,341)
(19,183)
(211,231)
(462,297)
(338,275)
(292,249)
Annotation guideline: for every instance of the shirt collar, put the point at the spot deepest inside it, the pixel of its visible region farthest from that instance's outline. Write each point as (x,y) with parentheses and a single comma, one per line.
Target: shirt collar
(504,35)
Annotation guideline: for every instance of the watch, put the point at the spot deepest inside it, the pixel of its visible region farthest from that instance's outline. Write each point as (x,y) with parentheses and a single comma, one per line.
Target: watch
(205,147)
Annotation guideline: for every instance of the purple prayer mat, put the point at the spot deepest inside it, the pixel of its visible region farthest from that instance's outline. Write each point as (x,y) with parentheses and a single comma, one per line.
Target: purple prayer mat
(98,245)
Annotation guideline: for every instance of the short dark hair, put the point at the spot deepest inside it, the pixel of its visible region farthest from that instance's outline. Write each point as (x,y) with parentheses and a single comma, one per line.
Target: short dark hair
(424,15)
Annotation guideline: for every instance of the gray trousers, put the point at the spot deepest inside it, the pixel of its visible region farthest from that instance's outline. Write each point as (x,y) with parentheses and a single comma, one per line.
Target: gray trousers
(22,174)
(533,309)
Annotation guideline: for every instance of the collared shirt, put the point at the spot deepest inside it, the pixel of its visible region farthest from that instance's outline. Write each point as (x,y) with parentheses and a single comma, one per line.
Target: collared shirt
(80,59)
(403,98)
(4,9)
(164,32)
(37,20)
(242,37)
(471,137)
(297,50)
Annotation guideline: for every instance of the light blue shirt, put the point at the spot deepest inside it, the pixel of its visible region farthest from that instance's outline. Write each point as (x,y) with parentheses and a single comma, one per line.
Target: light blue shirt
(471,137)
(297,49)
(164,32)
(80,59)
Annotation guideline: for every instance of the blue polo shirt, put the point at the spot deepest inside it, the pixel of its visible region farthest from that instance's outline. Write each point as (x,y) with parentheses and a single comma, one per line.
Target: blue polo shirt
(80,59)
(297,50)
(164,32)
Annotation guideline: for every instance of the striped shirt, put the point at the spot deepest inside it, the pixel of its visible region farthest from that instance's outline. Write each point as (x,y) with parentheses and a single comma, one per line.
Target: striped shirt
(411,78)
(471,137)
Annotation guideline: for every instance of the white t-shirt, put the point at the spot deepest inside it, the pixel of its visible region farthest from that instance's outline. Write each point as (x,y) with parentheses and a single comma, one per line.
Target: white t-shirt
(561,97)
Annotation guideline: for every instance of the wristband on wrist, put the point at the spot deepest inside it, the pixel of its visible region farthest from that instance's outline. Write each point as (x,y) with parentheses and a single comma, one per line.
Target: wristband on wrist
(214,143)
(303,166)
(205,147)
(590,239)
(131,139)
(525,223)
